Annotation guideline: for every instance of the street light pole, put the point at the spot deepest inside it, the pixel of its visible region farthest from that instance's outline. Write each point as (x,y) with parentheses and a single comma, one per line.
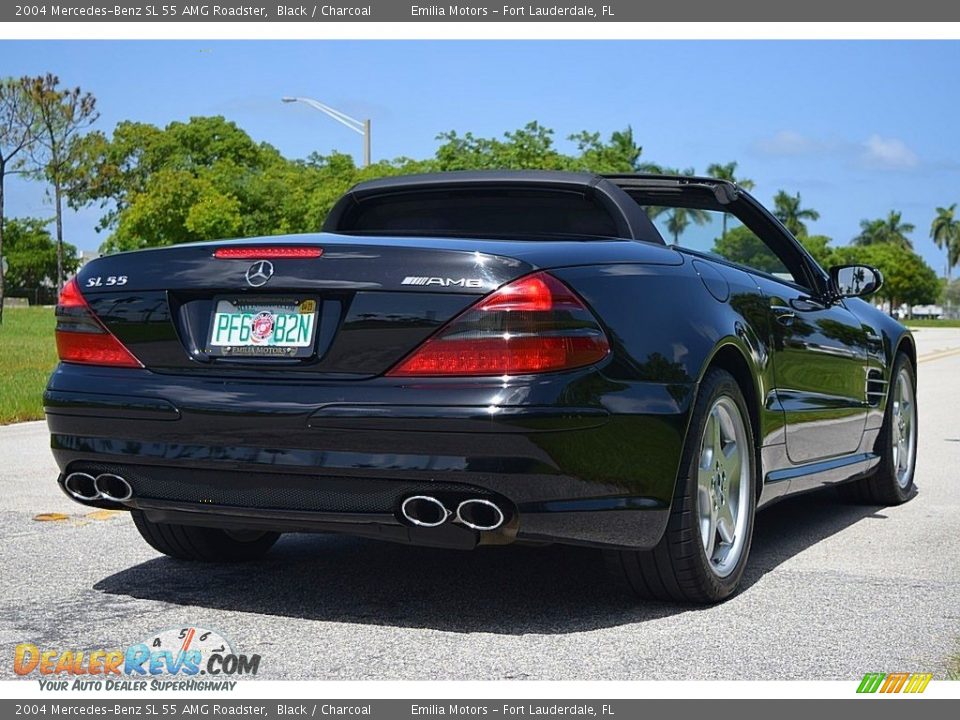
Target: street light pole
(366,142)
(361,127)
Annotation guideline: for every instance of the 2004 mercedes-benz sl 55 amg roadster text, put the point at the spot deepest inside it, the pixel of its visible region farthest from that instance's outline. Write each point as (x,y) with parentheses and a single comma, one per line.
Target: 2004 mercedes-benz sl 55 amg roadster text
(482,358)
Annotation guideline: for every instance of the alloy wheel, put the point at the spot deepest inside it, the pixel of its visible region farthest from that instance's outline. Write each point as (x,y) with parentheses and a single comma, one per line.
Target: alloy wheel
(723,486)
(903,428)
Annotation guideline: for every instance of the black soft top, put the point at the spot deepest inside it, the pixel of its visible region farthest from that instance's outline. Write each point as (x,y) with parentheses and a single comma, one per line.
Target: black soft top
(511,204)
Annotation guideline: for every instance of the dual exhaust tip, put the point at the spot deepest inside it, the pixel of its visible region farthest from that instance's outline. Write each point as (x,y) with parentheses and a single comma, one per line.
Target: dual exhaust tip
(419,510)
(106,486)
(475,513)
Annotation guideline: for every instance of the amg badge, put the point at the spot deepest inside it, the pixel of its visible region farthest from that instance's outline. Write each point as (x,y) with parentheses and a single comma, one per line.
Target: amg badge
(443,282)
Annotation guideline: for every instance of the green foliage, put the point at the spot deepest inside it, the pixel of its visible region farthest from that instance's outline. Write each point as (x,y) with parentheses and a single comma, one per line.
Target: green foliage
(530,147)
(789,210)
(945,232)
(741,246)
(62,114)
(888,230)
(207,179)
(819,247)
(728,172)
(18,127)
(906,277)
(679,218)
(32,253)
(620,155)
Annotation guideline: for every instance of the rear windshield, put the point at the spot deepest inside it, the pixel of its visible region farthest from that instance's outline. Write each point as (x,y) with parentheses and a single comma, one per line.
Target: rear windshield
(477,212)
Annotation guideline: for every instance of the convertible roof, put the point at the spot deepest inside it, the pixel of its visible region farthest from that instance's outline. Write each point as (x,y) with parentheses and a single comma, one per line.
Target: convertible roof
(724,191)
(476,199)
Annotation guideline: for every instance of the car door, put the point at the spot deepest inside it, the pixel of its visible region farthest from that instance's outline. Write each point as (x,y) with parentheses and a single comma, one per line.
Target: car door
(818,346)
(820,365)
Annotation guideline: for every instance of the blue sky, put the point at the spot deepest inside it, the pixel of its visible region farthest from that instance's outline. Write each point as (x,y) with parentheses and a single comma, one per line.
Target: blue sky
(858,128)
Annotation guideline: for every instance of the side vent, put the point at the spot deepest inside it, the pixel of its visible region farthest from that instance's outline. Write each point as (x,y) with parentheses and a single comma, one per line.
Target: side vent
(876,388)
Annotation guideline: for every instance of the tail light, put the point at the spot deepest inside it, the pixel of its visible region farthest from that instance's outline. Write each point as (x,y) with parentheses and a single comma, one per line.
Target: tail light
(532,325)
(82,338)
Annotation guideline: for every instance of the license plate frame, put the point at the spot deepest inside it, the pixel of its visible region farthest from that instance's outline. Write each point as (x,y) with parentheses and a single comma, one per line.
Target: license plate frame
(249,308)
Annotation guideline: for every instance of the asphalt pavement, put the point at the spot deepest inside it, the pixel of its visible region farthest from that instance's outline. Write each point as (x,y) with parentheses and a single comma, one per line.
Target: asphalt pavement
(832,590)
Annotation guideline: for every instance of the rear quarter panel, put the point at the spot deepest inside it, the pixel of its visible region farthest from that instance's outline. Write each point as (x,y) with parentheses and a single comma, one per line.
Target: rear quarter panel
(666,327)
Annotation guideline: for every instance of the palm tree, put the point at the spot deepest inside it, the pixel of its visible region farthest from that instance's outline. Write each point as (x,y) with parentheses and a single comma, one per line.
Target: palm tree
(890,230)
(680,217)
(787,210)
(945,231)
(728,172)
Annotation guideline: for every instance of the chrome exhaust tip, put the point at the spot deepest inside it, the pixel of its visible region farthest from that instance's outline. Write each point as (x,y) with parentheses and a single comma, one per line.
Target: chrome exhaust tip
(81,486)
(424,511)
(480,514)
(113,487)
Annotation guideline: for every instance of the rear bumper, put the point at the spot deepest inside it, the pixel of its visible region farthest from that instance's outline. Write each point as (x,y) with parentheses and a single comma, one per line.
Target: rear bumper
(575,457)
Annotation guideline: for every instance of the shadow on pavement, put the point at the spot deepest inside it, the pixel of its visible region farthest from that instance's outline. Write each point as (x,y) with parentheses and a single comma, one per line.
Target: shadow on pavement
(516,590)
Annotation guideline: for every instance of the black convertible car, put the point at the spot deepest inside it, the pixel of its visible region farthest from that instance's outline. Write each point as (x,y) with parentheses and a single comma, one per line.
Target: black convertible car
(474,359)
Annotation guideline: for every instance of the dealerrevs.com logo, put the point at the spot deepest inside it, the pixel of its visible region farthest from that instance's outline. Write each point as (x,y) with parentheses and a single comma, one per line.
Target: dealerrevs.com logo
(189,658)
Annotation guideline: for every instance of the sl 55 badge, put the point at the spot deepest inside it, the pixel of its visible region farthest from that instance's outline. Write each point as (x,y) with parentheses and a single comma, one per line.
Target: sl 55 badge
(108,281)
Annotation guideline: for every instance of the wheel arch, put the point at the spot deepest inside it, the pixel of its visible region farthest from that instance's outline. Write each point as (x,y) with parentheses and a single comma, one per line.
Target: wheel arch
(729,356)
(907,344)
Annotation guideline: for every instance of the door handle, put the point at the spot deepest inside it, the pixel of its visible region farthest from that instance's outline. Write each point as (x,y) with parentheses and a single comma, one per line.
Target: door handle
(784,315)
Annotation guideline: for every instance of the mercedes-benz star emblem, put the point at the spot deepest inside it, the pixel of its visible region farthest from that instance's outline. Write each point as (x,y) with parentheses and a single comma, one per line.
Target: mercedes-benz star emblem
(259,273)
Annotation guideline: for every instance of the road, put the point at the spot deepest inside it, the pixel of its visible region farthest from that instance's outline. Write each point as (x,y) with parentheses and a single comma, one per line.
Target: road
(832,590)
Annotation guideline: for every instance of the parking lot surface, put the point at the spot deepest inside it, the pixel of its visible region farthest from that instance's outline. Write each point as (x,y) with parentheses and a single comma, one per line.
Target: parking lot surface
(832,591)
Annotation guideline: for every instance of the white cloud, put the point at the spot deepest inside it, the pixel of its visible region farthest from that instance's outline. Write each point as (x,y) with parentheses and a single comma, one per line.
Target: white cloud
(876,152)
(892,153)
(789,142)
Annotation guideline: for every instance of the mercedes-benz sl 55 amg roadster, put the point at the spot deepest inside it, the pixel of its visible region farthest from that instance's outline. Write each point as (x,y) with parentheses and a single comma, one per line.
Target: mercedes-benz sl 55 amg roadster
(482,358)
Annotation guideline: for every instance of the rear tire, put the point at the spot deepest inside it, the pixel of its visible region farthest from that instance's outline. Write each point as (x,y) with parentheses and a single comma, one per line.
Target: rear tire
(892,482)
(188,542)
(702,554)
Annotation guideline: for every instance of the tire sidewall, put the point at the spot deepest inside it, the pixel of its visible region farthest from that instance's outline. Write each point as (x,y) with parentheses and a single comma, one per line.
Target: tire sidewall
(717,383)
(885,449)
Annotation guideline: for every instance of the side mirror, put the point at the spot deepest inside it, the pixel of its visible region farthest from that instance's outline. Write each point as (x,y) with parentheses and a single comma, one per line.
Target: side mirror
(855,280)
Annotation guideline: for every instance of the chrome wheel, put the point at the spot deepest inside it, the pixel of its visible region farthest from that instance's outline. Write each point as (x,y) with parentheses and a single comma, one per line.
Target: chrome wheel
(723,486)
(903,428)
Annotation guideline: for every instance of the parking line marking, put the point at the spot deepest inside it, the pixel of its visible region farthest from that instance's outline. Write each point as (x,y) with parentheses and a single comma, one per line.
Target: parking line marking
(938,355)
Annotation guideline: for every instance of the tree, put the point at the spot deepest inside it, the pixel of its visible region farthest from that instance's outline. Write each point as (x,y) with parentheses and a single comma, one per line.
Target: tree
(728,172)
(819,247)
(62,113)
(788,210)
(17,133)
(888,230)
(741,246)
(206,178)
(32,254)
(945,231)
(621,154)
(907,279)
(530,147)
(679,218)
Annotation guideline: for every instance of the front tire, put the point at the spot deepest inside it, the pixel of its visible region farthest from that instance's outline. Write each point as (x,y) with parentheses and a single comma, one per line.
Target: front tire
(702,554)
(892,483)
(188,542)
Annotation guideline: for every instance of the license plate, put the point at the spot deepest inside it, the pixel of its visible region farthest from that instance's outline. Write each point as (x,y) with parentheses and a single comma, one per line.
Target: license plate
(265,327)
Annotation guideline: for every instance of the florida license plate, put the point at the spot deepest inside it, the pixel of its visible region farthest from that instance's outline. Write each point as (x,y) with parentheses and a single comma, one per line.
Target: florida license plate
(274,327)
